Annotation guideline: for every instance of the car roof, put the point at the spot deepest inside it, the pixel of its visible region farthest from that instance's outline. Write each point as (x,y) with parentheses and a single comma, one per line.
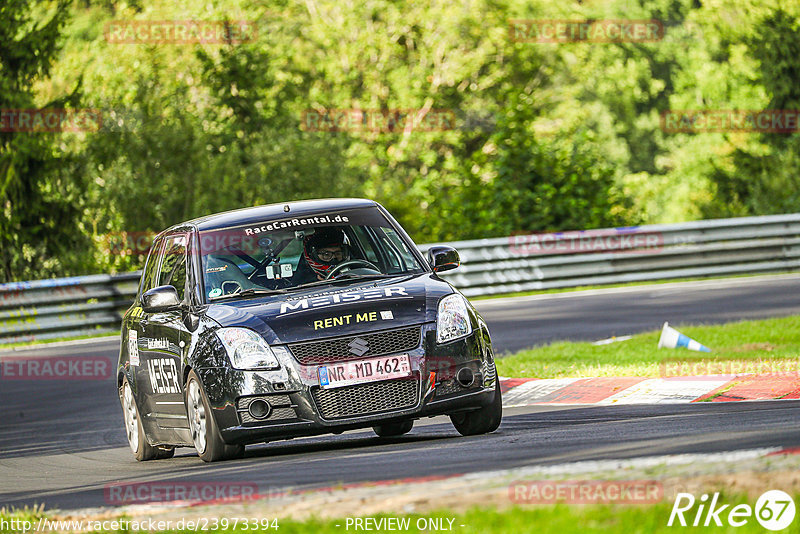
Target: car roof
(256,214)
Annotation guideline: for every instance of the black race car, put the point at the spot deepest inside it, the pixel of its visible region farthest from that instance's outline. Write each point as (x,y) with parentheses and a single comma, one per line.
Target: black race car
(298,319)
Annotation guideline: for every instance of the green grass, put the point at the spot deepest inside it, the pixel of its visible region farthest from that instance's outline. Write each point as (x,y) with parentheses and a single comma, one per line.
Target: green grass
(557,519)
(735,344)
(56,340)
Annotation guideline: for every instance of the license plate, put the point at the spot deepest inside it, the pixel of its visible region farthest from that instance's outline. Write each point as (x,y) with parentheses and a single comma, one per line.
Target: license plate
(372,370)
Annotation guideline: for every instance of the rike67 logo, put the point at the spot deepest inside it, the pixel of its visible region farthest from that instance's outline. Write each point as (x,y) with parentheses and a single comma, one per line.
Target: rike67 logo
(774,510)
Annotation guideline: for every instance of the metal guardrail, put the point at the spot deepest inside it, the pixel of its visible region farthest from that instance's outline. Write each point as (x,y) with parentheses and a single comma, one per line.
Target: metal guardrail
(716,247)
(46,309)
(80,305)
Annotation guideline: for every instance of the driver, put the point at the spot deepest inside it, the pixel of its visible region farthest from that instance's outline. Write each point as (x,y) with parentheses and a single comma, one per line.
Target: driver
(324,249)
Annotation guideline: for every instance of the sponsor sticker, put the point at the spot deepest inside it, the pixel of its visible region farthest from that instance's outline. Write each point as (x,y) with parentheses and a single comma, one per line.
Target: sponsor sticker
(163,375)
(133,347)
(350,318)
(161,343)
(294,223)
(338,299)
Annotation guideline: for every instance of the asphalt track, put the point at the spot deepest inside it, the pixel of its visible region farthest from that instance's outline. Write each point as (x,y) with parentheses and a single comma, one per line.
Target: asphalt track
(62,443)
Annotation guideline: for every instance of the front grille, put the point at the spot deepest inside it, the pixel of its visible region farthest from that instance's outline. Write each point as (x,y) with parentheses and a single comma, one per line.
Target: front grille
(281,408)
(448,387)
(339,349)
(278,414)
(366,399)
(451,386)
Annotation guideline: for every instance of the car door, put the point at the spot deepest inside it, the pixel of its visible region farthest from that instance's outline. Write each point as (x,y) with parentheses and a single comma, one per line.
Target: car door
(135,322)
(165,338)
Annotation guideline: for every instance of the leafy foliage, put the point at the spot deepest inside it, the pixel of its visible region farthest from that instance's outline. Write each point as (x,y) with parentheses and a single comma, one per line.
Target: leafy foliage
(40,178)
(538,137)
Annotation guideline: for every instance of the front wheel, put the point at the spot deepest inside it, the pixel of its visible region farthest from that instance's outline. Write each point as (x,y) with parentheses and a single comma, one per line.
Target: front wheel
(205,434)
(394,429)
(481,421)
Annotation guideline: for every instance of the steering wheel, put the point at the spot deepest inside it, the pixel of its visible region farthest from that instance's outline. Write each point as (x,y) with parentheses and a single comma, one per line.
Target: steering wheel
(348,263)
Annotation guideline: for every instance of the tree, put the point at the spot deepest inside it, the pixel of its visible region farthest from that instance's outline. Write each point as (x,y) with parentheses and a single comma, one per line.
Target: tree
(764,175)
(39,193)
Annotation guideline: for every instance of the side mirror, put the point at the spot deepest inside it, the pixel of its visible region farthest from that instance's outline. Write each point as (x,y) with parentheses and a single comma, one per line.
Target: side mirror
(160,299)
(443,258)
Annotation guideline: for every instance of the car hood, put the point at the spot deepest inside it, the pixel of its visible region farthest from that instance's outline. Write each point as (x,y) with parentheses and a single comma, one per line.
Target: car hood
(336,310)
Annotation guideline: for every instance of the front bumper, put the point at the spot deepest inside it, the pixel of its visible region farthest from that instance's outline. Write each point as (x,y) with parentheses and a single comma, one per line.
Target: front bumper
(299,407)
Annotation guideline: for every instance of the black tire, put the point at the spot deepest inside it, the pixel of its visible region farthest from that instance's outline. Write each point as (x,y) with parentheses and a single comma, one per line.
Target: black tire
(207,439)
(137,440)
(394,429)
(481,421)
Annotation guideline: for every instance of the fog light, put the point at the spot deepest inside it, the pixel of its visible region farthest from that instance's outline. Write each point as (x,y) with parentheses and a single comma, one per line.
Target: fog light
(259,409)
(465,377)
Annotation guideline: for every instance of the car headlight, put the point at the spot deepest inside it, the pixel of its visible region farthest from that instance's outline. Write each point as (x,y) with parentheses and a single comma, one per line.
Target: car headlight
(452,318)
(246,349)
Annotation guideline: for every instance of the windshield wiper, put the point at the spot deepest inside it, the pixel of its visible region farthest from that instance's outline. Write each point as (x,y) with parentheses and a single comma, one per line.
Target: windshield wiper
(252,291)
(344,278)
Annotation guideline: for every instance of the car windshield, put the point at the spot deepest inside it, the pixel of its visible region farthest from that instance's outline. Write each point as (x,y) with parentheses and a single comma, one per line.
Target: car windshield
(276,256)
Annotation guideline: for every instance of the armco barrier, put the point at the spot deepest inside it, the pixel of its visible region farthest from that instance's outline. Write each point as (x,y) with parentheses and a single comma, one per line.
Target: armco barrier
(46,309)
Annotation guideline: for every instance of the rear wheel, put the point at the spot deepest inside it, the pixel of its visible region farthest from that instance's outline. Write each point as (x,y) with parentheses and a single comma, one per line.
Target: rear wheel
(137,440)
(205,434)
(481,421)
(394,429)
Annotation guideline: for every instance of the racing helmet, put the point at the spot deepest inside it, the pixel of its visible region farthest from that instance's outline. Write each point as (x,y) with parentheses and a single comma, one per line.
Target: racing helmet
(326,237)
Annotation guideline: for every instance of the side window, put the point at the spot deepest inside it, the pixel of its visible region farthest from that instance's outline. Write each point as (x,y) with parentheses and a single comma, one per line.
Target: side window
(149,276)
(398,251)
(173,268)
(365,243)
